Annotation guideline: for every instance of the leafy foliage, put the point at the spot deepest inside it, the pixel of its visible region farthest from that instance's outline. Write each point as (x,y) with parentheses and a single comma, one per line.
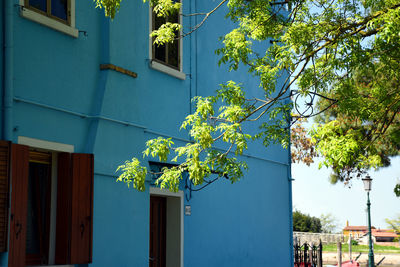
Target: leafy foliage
(329,223)
(343,53)
(306,223)
(397,190)
(362,130)
(302,149)
(132,172)
(394,224)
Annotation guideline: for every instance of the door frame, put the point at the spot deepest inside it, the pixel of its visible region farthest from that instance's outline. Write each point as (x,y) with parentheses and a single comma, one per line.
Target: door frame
(54,148)
(155,191)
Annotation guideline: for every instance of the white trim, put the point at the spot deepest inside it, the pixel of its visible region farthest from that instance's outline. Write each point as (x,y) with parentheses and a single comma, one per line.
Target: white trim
(155,191)
(161,67)
(150,30)
(32,142)
(72,10)
(167,70)
(49,22)
(53,207)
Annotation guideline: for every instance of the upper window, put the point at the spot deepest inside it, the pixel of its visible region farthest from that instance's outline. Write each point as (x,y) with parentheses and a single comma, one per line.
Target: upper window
(167,54)
(57,9)
(168,57)
(56,14)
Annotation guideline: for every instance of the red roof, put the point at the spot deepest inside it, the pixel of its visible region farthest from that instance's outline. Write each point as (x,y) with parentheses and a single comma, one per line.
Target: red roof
(383,233)
(357,228)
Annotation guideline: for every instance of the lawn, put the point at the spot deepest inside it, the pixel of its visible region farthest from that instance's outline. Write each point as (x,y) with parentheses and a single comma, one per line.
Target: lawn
(361,248)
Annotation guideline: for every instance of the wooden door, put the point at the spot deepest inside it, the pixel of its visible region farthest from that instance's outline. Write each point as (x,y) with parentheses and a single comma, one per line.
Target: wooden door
(158,236)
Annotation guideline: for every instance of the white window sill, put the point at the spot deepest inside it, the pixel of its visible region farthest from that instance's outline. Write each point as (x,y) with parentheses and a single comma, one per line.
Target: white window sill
(167,70)
(49,22)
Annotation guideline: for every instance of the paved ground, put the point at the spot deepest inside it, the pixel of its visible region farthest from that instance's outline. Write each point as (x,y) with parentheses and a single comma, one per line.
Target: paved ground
(390,259)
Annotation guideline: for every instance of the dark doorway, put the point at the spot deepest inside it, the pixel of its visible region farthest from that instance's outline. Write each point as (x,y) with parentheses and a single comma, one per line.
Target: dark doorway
(38,217)
(157,253)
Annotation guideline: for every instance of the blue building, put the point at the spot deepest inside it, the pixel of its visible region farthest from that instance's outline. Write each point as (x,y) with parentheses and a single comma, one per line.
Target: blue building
(80,95)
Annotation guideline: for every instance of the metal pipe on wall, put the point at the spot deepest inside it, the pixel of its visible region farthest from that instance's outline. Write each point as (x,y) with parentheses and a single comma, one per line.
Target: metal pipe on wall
(290,188)
(8,70)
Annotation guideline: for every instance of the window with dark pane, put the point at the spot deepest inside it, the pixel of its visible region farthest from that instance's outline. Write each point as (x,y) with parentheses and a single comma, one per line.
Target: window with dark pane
(159,50)
(168,54)
(39,4)
(57,9)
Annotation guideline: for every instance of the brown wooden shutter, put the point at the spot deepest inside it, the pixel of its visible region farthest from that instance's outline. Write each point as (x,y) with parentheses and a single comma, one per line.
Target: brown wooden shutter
(19,201)
(74,209)
(4,192)
(82,208)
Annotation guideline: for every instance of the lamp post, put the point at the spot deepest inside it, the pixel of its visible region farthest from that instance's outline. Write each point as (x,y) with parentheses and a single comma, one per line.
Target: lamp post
(367,186)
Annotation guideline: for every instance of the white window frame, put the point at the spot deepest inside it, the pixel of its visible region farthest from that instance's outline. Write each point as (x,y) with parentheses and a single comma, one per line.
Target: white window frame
(49,22)
(155,191)
(162,67)
(55,148)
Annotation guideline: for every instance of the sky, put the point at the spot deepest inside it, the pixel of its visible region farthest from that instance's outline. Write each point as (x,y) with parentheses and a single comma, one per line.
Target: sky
(313,194)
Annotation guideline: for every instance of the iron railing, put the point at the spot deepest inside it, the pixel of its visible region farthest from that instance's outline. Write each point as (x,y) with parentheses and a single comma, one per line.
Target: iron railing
(306,255)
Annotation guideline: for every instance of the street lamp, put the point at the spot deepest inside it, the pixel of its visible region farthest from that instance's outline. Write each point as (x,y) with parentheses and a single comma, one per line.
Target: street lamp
(367,186)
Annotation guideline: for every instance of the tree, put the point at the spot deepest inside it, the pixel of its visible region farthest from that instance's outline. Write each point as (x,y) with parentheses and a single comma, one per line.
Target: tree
(342,56)
(328,223)
(306,223)
(397,190)
(394,224)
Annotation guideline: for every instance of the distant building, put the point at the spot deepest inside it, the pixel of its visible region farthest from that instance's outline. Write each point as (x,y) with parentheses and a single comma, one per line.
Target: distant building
(361,233)
(379,235)
(383,235)
(355,231)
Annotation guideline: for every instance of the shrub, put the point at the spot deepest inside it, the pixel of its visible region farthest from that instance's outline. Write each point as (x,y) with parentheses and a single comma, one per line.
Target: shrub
(354,242)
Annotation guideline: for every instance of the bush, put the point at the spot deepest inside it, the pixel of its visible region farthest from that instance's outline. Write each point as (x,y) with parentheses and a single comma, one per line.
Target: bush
(354,242)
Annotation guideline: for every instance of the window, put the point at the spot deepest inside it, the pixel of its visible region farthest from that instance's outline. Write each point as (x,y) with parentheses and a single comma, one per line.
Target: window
(167,54)
(56,14)
(168,57)
(51,205)
(56,9)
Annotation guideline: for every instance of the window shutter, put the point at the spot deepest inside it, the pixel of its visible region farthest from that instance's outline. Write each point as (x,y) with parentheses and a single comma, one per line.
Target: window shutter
(74,209)
(82,208)
(4,192)
(19,201)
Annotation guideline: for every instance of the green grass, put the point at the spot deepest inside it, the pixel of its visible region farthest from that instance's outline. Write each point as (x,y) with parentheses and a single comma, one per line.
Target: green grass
(361,248)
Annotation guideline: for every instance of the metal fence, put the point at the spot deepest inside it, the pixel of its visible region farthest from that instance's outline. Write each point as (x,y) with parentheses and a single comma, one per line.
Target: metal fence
(306,255)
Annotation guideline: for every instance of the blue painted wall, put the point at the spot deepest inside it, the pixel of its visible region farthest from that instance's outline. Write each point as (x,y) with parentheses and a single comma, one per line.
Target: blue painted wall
(61,95)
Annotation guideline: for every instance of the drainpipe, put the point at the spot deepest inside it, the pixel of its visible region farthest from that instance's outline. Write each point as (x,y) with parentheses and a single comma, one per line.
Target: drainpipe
(8,70)
(290,209)
(290,180)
